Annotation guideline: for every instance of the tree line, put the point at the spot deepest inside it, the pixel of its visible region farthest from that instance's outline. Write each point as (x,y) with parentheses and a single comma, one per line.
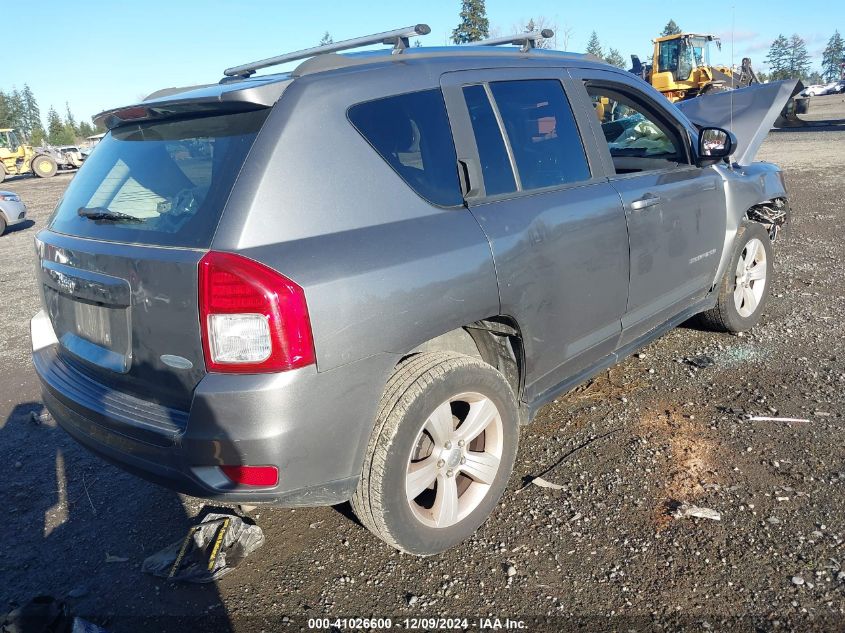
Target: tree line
(788,58)
(19,110)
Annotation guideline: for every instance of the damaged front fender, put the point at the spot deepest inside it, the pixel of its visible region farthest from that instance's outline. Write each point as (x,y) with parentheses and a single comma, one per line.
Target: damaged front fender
(746,188)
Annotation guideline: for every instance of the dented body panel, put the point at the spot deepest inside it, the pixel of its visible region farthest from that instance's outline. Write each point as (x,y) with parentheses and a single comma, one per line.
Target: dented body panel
(746,187)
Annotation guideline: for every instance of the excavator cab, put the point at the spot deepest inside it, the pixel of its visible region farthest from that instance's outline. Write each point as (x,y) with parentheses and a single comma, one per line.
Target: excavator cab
(681,64)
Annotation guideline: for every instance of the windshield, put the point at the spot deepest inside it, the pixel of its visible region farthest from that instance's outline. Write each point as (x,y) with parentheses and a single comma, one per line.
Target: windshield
(682,55)
(163,183)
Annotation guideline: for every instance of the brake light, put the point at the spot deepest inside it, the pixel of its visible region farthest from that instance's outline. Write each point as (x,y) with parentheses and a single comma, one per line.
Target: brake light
(253,319)
(252,475)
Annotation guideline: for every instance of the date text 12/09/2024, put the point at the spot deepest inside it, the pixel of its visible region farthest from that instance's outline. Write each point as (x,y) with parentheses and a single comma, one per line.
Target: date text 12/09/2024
(419,624)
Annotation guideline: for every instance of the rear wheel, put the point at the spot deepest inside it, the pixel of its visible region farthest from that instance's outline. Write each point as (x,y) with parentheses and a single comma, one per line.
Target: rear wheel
(2,173)
(441,452)
(44,166)
(2,224)
(744,289)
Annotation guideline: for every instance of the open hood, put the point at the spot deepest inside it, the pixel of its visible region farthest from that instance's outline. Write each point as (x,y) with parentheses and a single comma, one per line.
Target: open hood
(747,112)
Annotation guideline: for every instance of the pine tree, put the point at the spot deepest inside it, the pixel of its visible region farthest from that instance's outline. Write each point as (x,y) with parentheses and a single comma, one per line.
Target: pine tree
(70,120)
(474,25)
(326,39)
(799,58)
(671,29)
(614,58)
(594,46)
(778,59)
(4,109)
(85,129)
(55,128)
(17,111)
(832,57)
(38,136)
(32,113)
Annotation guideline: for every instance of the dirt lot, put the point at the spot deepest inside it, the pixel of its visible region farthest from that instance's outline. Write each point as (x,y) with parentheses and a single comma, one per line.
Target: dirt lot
(652,432)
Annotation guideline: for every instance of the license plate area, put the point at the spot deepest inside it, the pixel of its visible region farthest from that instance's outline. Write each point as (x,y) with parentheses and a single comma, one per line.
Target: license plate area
(90,315)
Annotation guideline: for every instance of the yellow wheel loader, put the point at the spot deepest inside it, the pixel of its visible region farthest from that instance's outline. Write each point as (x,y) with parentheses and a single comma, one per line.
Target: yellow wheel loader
(18,158)
(680,67)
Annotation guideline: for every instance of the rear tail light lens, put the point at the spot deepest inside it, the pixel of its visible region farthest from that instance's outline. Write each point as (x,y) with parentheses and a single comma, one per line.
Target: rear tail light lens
(252,475)
(254,320)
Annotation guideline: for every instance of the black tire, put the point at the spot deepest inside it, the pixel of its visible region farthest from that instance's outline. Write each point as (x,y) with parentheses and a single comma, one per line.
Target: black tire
(2,224)
(418,386)
(2,173)
(725,316)
(44,166)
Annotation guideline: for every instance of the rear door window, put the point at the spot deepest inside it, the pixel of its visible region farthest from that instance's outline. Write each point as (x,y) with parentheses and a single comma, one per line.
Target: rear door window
(543,135)
(496,166)
(411,133)
(162,182)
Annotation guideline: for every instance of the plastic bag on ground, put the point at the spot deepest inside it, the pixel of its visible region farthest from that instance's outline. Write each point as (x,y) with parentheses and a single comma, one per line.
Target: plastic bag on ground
(210,550)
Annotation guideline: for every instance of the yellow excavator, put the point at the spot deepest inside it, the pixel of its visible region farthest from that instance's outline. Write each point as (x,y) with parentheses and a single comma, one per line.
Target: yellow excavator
(681,68)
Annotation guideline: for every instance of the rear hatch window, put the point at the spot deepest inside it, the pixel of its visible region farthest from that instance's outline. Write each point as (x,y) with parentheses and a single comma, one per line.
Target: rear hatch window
(162,183)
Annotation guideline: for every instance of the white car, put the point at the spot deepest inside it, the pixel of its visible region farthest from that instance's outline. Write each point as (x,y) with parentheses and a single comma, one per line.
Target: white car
(12,210)
(815,90)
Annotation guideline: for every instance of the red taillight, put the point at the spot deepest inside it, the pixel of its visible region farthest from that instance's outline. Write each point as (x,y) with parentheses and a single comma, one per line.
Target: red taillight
(252,475)
(253,319)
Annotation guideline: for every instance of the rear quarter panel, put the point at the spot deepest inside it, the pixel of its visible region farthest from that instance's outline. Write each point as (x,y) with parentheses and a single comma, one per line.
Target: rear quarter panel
(382,269)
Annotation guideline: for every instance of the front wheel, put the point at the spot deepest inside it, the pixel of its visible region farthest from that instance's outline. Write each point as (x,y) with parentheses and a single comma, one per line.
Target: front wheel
(441,452)
(744,289)
(44,166)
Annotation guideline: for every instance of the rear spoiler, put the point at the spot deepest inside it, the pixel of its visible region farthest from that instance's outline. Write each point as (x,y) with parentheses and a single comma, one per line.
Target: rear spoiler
(241,96)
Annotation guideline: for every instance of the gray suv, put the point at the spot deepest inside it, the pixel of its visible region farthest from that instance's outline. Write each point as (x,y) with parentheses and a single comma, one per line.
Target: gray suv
(356,280)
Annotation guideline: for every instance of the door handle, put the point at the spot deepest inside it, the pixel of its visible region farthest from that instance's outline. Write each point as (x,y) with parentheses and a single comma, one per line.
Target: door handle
(648,200)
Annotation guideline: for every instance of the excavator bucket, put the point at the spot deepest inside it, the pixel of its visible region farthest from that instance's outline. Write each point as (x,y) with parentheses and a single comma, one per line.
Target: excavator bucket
(747,112)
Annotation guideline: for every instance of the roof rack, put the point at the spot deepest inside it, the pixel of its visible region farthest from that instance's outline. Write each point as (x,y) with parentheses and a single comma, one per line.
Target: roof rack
(526,41)
(397,37)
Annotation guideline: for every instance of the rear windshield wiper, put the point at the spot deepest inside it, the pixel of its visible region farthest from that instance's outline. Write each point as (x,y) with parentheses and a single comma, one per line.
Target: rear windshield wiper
(102,213)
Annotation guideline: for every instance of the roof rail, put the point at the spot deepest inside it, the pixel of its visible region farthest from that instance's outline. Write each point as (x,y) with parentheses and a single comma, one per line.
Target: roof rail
(397,37)
(526,41)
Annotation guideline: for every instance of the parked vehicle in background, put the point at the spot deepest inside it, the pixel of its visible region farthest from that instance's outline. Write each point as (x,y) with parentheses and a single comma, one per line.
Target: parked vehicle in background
(838,87)
(73,154)
(16,157)
(354,281)
(12,210)
(814,91)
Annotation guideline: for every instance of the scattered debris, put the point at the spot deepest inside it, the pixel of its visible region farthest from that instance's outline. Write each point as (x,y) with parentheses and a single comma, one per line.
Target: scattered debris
(210,550)
(797,580)
(701,362)
(539,481)
(685,510)
(411,599)
(510,571)
(78,592)
(763,418)
(116,559)
(39,418)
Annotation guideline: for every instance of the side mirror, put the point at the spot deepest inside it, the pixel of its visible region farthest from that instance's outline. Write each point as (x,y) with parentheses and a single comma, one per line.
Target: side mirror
(714,144)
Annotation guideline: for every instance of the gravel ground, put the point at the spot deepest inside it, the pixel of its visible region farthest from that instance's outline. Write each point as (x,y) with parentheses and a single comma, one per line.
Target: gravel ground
(602,552)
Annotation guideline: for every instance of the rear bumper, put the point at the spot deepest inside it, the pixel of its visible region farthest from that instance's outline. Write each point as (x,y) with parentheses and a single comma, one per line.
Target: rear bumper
(313,426)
